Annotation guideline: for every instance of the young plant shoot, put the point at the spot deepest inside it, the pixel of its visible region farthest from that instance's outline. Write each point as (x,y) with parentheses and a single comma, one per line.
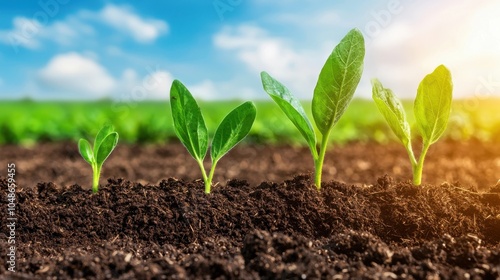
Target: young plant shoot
(105,142)
(334,90)
(432,110)
(191,130)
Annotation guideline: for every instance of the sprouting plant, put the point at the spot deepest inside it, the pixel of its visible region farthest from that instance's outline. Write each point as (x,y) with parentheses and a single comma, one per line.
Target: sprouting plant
(191,130)
(105,142)
(334,90)
(432,110)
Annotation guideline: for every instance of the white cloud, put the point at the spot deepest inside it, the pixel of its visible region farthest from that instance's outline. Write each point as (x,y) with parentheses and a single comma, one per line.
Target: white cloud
(154,86)
(205,90)
(457,34)
(234,89)
(462,35)
(129,78)
(68,32)
(237,88)
(158,84)
(262,52)
(30,33)
(76,76)
(141,29)
(25,33)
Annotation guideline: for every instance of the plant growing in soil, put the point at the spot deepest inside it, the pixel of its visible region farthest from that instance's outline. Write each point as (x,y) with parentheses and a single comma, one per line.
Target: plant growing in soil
(432,109)
(105,142)
(334,90)
(191,129)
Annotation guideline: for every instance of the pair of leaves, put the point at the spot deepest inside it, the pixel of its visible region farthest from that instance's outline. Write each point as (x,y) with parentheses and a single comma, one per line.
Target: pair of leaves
(432,107)
(190,126)
(105,142)
(334,90)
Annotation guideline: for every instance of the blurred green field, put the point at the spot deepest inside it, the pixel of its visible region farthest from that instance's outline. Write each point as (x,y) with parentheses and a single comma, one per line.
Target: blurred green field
(28,122)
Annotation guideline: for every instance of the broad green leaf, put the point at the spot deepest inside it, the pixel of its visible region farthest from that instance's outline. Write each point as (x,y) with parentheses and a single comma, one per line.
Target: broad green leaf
(86,151)
(433,104)
(189,124)
(393,111)
(290,106)
(338,80)
(233,128)
(107,146)
(105,131)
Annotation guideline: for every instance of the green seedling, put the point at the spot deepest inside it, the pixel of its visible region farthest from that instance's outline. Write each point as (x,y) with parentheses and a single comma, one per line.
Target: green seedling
(334,90)
(105,142)
(191,130)
(432,110)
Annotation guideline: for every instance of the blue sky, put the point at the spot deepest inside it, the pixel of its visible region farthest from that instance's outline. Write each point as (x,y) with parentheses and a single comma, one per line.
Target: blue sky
(132,50)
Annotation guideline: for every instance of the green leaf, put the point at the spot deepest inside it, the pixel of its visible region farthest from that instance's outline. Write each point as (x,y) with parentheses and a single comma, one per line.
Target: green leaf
(105,131)
(433,104)
(290,106)
(86,151)
(189,124)
(338,80)
(233,128)
(107,146)
(393,111)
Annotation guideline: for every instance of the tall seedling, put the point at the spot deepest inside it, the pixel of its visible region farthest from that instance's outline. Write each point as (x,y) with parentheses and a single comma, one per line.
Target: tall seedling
(191,130)
(334,90)
(432,110)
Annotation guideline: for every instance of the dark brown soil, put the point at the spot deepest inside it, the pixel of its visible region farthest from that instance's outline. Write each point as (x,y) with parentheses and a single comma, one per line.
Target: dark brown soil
(381,228)
(470,163)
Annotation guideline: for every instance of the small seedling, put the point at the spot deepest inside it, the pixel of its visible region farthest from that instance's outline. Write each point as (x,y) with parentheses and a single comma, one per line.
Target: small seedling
(105,142)
(191,130)
(432,110)
(334,90)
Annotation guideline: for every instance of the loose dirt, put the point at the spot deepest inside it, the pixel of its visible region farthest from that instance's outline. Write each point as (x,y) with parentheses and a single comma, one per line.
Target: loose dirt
(270,223)
(471,163)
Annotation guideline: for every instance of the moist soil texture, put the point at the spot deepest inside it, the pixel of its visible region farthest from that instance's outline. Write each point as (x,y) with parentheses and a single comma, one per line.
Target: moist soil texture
(263,220)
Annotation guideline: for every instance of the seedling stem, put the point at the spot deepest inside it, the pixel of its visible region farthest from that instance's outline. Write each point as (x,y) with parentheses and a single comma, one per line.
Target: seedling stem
(207,179)
(95,181)
(210,177)
(418,167)
(319,160)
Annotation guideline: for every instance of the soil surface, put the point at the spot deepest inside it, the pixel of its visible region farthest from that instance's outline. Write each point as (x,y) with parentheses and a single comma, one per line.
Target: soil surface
(471,163)
(268,224)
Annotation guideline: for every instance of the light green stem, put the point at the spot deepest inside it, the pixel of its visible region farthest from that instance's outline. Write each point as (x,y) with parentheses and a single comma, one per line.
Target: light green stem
(409,149)
(97,174)
(318,162)
(418,168)
(208,184)
(204,174)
